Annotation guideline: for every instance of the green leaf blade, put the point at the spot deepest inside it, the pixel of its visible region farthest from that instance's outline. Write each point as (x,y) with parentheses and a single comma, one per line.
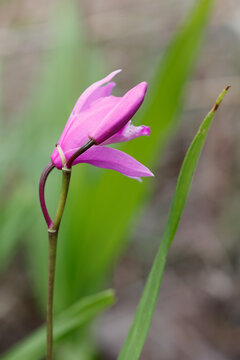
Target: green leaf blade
(135,340)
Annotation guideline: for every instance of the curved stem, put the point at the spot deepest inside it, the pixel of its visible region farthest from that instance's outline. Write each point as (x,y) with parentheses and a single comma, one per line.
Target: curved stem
(53,228)
(42,183)
(53,236)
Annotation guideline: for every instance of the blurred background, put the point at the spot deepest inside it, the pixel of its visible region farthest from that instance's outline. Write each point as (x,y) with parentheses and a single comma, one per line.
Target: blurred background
(50,51)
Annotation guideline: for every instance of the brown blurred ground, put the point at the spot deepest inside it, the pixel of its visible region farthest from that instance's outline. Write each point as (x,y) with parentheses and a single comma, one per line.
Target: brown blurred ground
(198,316)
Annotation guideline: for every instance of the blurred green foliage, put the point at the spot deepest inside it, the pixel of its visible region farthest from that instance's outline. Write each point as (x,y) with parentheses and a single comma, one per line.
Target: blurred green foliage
(102,204)
(73,318)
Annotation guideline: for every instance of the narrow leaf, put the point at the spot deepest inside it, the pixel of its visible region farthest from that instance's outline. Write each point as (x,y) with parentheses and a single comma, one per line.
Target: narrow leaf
(135,340)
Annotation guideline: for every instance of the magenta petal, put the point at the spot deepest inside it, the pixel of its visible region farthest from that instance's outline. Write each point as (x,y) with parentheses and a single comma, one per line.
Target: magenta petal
(94,91)
(128,132)
(87,121)
(120,114)
(91,94)
(78,134)
(56,160)
(100,92)
(109,158)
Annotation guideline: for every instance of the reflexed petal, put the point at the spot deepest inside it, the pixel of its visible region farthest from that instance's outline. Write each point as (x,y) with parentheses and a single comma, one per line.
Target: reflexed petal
(109,158)
(78,133)
(56,160)
(87,121)
(98,93)
(128,132)
(120,114)
(91,94)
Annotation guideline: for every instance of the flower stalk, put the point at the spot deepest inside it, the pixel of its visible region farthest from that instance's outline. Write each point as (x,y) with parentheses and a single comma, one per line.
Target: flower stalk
(53,237)
(53,227)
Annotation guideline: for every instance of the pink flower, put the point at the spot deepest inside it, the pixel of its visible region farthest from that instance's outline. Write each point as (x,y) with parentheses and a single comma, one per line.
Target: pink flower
(106,119)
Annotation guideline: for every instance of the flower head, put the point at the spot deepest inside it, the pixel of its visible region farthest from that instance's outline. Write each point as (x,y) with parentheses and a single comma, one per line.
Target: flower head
(105,119)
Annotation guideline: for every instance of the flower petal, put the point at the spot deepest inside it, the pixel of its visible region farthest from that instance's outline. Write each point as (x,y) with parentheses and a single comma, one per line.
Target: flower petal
(91,94)
(120,114)
(87,121)
(78,133)
(84,102)
(94,91)
(128,132)
(109,158)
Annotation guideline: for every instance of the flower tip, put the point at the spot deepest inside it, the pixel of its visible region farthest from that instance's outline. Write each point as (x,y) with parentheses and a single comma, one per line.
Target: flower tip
(116,72)
(144,84)
(149,173)
(142,87)
(137,93)
(146,172)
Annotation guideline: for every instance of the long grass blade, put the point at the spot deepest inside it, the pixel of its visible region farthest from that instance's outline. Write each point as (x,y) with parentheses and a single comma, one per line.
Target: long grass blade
(135,340)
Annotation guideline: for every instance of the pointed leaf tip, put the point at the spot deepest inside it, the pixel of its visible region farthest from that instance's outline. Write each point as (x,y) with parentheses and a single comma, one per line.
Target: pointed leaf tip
(220,98)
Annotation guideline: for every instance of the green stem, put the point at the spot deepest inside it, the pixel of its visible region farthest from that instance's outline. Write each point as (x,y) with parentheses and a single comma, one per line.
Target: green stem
(66,175)
(53,235)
